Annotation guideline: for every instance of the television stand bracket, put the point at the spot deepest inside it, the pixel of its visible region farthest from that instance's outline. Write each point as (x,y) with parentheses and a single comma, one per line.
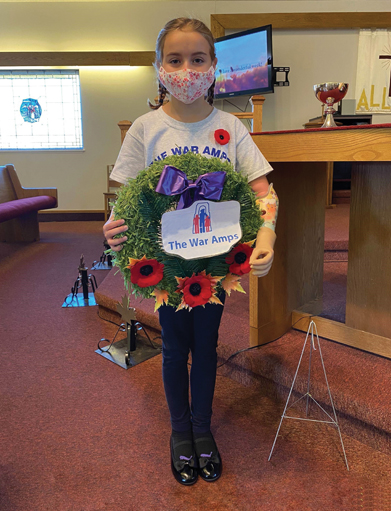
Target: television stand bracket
(281,83)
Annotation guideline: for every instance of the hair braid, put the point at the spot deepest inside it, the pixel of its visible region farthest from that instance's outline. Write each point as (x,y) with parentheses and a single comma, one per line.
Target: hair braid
(162,95)
(211,93)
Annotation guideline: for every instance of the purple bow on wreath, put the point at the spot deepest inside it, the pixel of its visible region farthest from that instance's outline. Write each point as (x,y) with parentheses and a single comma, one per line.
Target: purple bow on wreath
(174,182)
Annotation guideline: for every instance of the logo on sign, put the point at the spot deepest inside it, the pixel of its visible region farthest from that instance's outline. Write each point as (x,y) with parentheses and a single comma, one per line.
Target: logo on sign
(202,219)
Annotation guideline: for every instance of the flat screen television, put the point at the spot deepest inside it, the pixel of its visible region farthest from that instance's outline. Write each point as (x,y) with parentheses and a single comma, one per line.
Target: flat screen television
(244,63)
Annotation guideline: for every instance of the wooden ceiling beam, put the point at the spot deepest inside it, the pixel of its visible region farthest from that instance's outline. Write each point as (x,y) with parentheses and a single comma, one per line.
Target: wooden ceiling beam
(300,21)
(77,58)
(219,24)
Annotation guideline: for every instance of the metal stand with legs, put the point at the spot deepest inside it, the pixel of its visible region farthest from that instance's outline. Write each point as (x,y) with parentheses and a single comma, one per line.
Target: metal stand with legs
(83,282)
(105,261)
(332,421)
(133,349)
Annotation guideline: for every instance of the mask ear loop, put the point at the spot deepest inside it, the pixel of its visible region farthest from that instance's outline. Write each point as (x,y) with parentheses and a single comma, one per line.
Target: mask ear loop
(211,93)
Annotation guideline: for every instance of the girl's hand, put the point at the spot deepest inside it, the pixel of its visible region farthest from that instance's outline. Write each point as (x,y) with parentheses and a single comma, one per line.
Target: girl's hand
(110,229)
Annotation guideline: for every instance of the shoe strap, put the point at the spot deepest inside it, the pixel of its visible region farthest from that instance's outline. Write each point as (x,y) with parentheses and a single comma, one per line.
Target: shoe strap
(183,460)
(203,458)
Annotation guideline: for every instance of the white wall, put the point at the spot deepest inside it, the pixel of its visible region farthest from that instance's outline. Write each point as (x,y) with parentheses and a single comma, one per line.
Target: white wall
(110,95)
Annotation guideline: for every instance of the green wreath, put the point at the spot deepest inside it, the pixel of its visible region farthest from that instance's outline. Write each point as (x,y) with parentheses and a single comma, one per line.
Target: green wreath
(148,270)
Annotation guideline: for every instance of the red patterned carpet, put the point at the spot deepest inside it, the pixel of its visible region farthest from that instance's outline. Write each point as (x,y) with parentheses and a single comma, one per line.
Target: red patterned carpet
(78,433)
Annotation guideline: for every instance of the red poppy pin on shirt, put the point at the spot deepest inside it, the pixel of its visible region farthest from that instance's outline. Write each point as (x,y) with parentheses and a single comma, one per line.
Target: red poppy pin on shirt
(222,137)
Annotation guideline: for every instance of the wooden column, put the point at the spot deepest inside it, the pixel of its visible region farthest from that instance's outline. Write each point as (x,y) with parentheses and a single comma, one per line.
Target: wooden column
(330,177)
(255,115)
(257,104)
(368,300)
(124,126)
(296,278)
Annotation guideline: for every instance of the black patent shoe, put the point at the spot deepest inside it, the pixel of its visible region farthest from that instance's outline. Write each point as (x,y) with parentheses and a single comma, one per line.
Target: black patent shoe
(210,465)
(184,469)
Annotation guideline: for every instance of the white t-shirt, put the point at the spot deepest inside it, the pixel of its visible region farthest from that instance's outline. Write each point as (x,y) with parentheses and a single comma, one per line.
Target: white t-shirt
(156,135)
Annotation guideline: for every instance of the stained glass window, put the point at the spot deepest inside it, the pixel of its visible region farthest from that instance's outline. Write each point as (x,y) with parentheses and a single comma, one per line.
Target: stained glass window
(40,110)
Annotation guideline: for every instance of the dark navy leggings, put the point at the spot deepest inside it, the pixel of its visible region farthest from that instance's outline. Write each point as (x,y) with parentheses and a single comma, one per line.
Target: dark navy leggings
(194,331)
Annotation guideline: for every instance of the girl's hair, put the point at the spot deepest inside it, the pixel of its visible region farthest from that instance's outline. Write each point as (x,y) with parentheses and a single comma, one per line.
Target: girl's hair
(185,24)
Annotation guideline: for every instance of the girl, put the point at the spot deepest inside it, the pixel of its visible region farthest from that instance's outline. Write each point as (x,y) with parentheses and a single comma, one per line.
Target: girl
(185,63)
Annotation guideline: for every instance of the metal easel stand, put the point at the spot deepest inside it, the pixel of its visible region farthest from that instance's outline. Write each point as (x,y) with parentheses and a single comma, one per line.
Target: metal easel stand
(83,282)
(333,421)
(105,261)
(133,349)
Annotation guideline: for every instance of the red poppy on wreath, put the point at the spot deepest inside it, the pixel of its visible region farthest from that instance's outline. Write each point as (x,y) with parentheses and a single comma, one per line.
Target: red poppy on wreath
(145,272)
(197,290)
(239,259)
(222,137)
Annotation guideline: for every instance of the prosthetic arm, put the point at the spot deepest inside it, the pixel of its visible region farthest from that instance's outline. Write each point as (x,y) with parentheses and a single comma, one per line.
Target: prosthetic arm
(262,257)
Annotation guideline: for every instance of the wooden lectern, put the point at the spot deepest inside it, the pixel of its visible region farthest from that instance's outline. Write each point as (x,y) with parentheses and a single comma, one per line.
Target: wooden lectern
(293,288)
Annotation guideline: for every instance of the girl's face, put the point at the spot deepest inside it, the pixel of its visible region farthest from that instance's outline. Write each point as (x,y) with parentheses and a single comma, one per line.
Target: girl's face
(186,50)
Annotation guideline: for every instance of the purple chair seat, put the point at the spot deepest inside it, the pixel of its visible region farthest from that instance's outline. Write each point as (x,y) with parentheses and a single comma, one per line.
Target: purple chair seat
(18,207)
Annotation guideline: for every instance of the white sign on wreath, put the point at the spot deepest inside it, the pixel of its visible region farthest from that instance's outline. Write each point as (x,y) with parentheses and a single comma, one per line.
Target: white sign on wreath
(205,229)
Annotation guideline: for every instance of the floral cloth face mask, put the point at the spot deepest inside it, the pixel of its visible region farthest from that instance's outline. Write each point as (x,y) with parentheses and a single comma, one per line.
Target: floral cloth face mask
(187,85)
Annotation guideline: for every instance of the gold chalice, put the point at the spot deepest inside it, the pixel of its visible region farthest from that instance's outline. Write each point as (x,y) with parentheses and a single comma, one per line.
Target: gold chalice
(330,93)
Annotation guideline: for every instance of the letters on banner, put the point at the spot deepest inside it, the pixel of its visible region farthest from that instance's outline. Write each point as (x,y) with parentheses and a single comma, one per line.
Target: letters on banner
(373,82)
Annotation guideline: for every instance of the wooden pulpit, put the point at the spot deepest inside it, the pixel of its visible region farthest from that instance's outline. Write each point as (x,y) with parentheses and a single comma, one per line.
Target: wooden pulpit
(292,292)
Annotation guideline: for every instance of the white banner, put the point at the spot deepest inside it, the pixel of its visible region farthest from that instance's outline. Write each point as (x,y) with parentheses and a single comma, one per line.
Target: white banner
(373,82)
(205,229)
